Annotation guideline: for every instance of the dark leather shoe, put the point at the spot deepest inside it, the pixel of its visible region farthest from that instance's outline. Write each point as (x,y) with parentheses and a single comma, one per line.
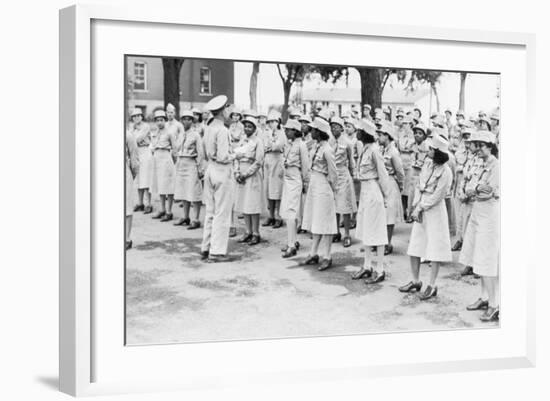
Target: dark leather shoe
(376,278)
(204,255)
(128,244)
(353,224)
(290,252)
(347,242)
(337,238)
(167,217)
(429,293)
(148,209)
(388,249)
(139,208)
(159,215)
(194,225)
(325,264)
(362,273)
(301,231)
(478,305)
(245,238)
(268,222)
(490,315)
(468,271)
(411,286)
(278,223)
(181,222)
(296,245)
(218,258)
(255,240)
(457,246)
(232,232)
(311,260)
(341,224)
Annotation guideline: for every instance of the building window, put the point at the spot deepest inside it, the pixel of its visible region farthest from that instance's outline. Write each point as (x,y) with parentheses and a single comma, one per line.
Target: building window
(140,76)
(205,81)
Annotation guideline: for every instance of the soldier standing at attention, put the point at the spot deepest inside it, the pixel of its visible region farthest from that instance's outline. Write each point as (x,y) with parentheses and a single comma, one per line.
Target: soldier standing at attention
(218,182)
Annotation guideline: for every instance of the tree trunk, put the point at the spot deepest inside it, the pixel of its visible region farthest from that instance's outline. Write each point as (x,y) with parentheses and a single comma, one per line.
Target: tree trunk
(462,95)
(253,90)
(287,86)
(436,94)
(371,87)
(172,68)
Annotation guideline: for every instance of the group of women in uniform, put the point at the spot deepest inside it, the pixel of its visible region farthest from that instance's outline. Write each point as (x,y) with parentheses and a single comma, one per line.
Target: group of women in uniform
(325,173)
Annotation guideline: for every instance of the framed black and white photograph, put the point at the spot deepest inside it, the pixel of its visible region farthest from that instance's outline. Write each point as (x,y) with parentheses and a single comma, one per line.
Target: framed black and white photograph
(260,213)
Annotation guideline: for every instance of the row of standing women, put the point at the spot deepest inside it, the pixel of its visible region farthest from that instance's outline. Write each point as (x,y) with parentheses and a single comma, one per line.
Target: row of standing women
(319,173)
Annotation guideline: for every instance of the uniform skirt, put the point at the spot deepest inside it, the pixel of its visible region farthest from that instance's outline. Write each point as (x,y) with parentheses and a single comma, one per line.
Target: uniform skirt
(481,244)
(464,210)
(319,209)
(188,186)
(371,215)
(430,240)
(145,175)
(394,211)
(273,175)
(346,202)
(129,192)
(407,170)
(163,172)
(291,200)
(249,196)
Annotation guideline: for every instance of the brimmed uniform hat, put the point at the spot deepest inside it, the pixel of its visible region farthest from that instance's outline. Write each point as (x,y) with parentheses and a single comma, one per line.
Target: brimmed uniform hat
(441,143)
(250,120)
(407,120)
(236,110)
(160,114)
(195,110)
(170,106)
(367,106)
(351,121)
(293,124)
(294,112)
(420,127)
(136,112)
(324,114)
(262,114)
(250,112)
(386,128)
(321,124)
(367,127)
(439,119)
(216,103)
(438,131)
(460,113)
(274,115)
(305,118)
(495,116)
(485,136)
(337,120)
(186,113)
(485,119)
(467,130)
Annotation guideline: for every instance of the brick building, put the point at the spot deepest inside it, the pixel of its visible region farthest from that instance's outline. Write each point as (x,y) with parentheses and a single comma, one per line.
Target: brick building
(200,80)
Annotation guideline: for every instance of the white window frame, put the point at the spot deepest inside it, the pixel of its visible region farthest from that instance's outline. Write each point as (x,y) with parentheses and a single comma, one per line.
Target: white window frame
(209,93)
(145,86)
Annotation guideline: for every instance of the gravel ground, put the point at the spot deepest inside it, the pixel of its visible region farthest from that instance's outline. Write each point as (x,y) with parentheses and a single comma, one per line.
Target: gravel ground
(173,297)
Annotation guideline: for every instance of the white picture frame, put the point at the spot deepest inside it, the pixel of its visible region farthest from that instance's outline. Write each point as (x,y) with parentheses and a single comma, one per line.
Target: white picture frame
(80,342)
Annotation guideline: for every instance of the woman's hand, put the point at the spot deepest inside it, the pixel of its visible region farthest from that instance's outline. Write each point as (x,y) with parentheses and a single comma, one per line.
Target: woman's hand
(415,214)
(484,189)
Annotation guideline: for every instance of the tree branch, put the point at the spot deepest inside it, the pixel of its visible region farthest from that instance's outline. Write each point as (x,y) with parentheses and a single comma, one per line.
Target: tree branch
(280,73)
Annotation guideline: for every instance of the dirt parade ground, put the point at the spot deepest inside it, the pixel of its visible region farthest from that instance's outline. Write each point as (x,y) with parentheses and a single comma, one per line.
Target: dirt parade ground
(172,296)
